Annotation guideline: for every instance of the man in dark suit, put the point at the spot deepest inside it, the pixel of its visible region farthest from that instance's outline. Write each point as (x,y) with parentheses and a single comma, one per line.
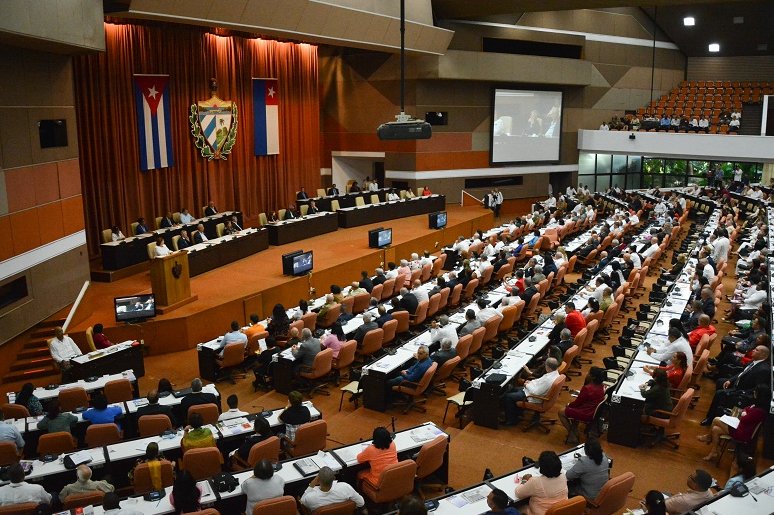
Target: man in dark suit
(365,282)
(379,278)
(301,195)
(728,392)
(211,210)
(333,191)
(167,221)
(199,236)
(184,241)
(141,228)
(154,408)
(197,397)
(384,316)
(313,209)
(290,212)
(408,301)
(368,325)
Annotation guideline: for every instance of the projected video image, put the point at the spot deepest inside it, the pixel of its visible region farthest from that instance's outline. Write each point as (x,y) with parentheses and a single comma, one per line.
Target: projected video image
(526,126)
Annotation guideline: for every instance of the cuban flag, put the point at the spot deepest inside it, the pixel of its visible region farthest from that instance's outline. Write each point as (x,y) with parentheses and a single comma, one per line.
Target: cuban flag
(153,124)
(266,115)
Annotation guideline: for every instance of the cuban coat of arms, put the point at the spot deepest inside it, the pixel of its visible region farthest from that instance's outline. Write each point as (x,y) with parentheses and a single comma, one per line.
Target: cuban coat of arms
(214,125)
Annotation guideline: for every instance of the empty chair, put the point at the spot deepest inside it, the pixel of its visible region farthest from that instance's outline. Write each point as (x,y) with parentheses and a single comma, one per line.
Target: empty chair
(430,459)
(390,328)
(27,508)
(202,463)
(372,342)
(8,453)
(276,506)
(310,438)
(613,496)
(403,321)
(360,303)
(82,500)
(421,315)
(56,443)
(153,425)
(118,390)
(310,321)
(71,398)
(339,508)
(433,305)
(99,435)
(388,287)
(11,410)
(445,370)
(572,506)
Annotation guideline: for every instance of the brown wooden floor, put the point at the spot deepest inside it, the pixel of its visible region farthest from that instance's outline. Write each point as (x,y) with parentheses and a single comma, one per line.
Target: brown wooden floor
(475,448)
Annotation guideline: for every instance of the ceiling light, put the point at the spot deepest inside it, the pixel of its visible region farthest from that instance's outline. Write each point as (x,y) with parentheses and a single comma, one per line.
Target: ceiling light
(689,21)
(714,47)
(738,20)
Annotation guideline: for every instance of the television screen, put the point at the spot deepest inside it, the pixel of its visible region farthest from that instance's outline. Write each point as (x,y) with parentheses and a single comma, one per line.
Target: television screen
(437,220)
(378,238)
(303,263)
(287,261)
(137,307)
(526,126)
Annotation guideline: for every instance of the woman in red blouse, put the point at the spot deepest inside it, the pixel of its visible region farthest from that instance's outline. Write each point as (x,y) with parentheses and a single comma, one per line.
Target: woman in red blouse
(675,372)
(752,416)
(100,340)
(583,407)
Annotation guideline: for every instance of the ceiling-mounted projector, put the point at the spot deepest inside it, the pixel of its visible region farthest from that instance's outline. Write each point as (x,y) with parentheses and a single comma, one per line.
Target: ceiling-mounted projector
(404,127)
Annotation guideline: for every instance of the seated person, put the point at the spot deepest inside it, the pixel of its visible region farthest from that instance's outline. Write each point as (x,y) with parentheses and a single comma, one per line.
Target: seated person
(471,323)
(408,301)
(185,494)
(199,236)
(306,350)
(380,454)
(195,436)
(161,249)
(590,472)
(546,489)
(324,490)
(384,316)
(262,485)
(233,409)
(584,406)
(84,484)
(262,432)
(441,329)
(19,491)
(498,502)
(10,433)
(26,397)
(233,336)
(55,421)
(415,372)
(445,353)
(531,388)
(154,459)
(356,289)
(100,340)
(186,217)
(485,312)
(63,349)
(674,371)
(290,212)
(141,227)
(154,408)
(294,415)
(100,412)
(116,234)
(368,325)
(197,396)
(704,327)
(335,339)
(229,229)
(263,365)
(184,241)
(656,395)
(699,484)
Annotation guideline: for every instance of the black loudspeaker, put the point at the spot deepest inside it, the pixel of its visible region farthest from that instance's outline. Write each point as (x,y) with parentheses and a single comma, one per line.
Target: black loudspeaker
(437,117)
(53,133)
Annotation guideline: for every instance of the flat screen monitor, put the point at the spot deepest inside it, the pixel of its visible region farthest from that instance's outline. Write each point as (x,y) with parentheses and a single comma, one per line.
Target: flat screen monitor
(287,261)
(134,308)
(303,263)
(526,126)
(437,220)
(380,238)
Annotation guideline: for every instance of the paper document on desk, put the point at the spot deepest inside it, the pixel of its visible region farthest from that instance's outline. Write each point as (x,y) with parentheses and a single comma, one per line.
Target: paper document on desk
(206,489)
(324,459)
(730,421)
(349,454)
(424,433)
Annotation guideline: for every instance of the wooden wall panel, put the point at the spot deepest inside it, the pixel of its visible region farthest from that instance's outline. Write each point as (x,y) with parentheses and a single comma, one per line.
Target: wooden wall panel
(50,222)
(25,231)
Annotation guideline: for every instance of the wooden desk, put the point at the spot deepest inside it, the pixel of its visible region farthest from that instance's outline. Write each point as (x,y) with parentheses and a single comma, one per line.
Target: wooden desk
(297,229)
(113,360)
(374,213)
(217,252)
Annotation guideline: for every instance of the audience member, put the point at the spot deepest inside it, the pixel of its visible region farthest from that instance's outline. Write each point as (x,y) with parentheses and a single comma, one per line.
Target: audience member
(546,489)
(18,491)
(84,484)
(233,409)
(381,453)
(324,490)
(262,485)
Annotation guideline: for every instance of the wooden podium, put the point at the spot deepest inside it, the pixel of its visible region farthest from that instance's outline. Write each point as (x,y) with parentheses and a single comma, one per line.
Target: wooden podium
(170,281)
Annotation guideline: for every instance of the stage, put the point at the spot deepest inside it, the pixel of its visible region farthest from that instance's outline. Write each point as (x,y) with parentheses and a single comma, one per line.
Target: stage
(255,284)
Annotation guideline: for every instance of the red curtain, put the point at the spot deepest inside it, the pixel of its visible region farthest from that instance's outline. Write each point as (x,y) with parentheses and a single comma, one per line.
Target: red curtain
(116,191)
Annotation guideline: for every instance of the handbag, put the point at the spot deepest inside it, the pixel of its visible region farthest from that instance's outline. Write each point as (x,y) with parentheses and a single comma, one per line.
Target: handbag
(225,482)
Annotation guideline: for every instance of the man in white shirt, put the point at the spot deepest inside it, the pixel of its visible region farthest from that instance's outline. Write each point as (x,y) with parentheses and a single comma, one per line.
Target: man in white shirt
(636,260)
(676,344)
(441,330)
(550,202)
(486,312)
(10,433)
(186,217)
(392,196)
(651,250)
(706,270)
(604,127)
(461,246)
(324,490)
(720,249)
(233,409)
(532,388)
(233,336)
(19,491)
(570,191)
(63,349)
(392,273)
(419,292)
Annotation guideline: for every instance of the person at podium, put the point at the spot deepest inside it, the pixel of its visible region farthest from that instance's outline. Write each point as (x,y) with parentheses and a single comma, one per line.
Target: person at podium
(161,249)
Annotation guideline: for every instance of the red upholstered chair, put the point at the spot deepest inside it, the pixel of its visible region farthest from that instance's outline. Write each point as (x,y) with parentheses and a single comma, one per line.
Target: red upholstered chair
(99,435)
(277,506)
(202,462)
(119,390)
(395,482)
(413,391)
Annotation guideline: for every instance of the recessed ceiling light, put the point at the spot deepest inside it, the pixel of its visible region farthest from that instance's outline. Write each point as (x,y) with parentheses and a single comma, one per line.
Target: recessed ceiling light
(714,47)
(738,20)
(763,47)
(689,21)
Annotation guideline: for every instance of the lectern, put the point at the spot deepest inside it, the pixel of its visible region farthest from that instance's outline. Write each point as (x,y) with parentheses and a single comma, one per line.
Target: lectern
(171,282)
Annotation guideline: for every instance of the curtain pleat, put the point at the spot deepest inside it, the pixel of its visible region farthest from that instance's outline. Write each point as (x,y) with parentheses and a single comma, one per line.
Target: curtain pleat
(116,191)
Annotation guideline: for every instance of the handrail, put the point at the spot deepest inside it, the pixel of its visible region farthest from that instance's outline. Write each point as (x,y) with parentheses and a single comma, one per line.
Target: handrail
(77,302)
(464,194)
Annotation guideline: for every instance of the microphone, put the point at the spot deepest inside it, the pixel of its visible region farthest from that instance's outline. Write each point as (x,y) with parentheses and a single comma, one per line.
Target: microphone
(392,423)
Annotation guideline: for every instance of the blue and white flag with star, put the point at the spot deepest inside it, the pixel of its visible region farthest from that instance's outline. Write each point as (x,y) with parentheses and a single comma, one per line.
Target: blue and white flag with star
(153,121)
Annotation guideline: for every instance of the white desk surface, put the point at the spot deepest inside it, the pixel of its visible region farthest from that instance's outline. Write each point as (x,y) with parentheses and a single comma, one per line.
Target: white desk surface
(101,353)
(761,487)
(151,235)
(136,448)
(40,470)
(302,218)
(43,394)
(223,239)
(169,400)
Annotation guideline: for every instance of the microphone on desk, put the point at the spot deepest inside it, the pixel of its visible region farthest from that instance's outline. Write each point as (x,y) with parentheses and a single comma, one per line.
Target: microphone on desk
(392,423)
